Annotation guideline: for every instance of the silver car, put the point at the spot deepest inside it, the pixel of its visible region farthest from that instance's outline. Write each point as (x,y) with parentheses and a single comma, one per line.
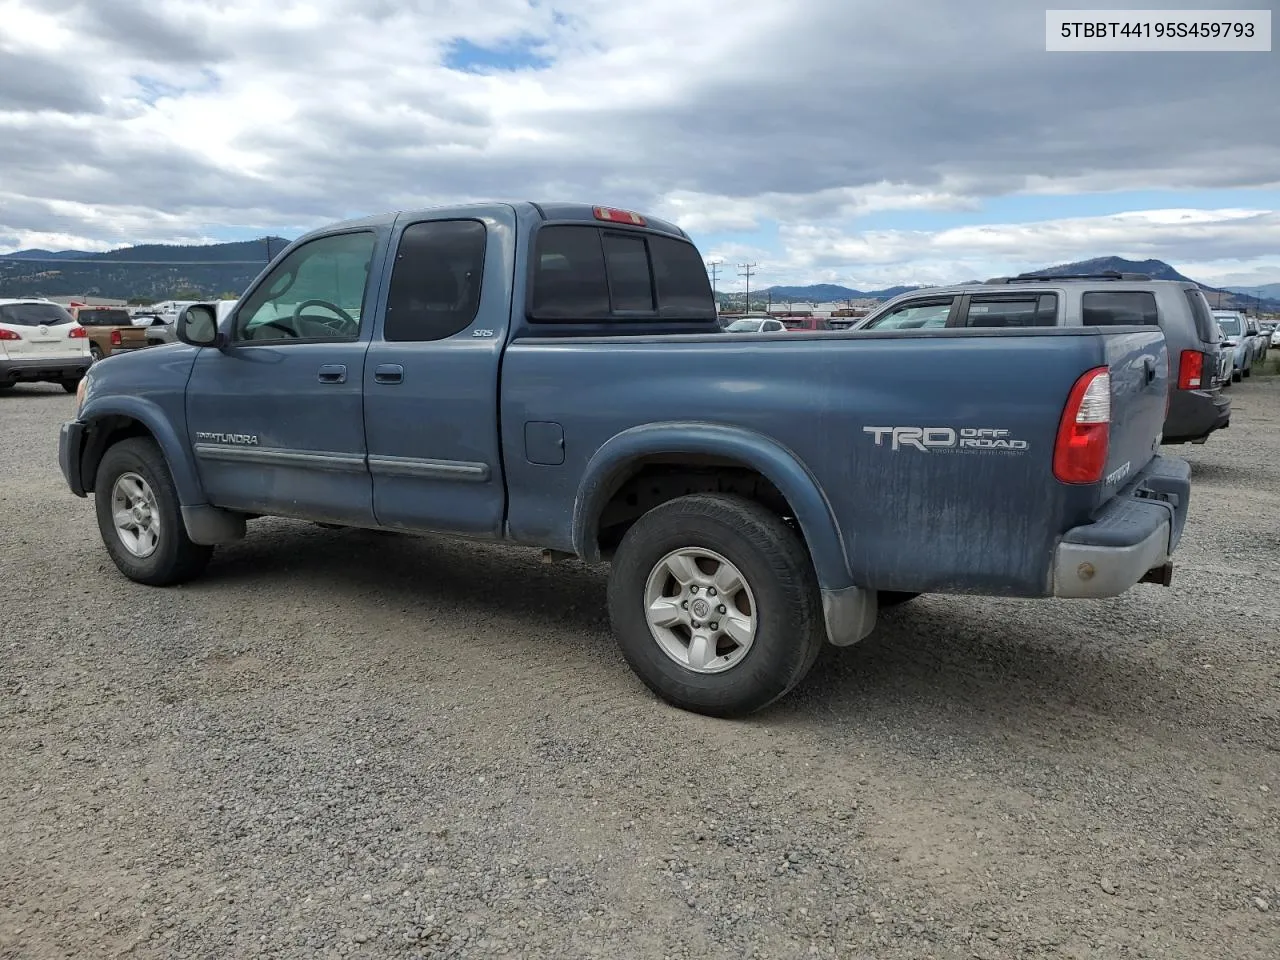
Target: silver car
(1238,340)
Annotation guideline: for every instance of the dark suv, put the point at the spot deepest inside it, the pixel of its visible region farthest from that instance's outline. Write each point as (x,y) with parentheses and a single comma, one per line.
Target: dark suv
(1197,405)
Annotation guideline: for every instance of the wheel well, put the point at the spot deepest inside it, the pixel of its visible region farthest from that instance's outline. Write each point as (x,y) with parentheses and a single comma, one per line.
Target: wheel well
(103,434)
(653,481)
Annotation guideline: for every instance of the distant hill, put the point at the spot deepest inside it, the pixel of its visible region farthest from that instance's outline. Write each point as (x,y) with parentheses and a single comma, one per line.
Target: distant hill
(1268,291)
(156,271)
(1155,269)
(38,254)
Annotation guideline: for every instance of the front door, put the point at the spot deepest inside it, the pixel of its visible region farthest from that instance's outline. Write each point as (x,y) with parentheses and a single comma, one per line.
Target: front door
(431,376)
(276,418)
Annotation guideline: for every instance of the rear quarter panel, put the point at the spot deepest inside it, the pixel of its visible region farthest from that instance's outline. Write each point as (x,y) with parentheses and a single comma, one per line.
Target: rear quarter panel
(959,518)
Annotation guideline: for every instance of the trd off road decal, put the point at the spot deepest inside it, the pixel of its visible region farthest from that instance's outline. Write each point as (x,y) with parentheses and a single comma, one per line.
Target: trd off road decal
(927,439)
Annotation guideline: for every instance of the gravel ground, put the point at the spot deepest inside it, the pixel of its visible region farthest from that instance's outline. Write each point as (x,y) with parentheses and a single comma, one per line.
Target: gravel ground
(344,744)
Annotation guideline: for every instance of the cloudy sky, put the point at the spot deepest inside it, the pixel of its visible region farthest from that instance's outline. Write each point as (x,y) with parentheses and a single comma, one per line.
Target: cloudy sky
(863,142)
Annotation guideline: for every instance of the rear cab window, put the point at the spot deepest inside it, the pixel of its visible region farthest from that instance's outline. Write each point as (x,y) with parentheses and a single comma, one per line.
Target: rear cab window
(33,314)
(585,273)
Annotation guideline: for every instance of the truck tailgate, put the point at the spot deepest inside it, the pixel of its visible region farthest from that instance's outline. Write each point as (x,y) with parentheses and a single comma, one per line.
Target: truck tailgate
(1139,369)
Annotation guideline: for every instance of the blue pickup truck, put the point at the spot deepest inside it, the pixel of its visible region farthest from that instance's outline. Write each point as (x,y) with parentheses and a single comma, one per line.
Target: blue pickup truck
(554,375)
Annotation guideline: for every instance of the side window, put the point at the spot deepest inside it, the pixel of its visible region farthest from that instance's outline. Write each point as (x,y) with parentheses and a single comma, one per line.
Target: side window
(1031,310)
(1205,324)
(435,284)
(314,293)
(914,316)
(1111,308)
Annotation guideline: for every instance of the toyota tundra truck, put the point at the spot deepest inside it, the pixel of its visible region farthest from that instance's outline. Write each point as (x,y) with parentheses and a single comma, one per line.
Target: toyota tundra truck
(553,375)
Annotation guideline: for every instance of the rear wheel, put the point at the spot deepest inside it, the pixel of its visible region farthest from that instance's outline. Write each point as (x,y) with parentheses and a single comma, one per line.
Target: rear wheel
(139,517)
(715,604)
(95,353)
(70,385)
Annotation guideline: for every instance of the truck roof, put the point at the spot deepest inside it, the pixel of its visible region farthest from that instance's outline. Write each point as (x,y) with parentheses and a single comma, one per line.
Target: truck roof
(544,210)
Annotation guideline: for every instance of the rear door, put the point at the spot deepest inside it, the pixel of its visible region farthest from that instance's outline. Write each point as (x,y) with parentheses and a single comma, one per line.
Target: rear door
(1023,308)
(431,377)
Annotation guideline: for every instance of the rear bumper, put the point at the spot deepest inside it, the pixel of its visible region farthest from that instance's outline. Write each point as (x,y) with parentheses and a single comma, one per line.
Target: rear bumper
(70,449)
(16,369)
(1194,414)
(1135,532)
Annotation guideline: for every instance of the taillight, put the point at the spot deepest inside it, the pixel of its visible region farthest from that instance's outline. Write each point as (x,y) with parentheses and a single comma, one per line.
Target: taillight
(77,333)
(116,339)
(8,335)
(1080,453)
(1190,370)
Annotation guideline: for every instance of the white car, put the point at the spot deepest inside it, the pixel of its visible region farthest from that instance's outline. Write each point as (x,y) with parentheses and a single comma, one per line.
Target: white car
(755,325)
(1275,337)
(39,341)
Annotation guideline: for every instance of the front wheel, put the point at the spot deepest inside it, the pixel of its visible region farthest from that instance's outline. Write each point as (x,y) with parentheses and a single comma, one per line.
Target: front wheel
(139,517)
(715,604)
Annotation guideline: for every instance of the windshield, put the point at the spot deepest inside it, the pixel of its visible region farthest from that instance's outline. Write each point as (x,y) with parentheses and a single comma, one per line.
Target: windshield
(745,326)
(33,314)
(1230,325)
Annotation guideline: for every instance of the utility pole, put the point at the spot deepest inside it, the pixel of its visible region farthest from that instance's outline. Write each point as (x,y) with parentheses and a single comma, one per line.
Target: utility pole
(713,267)
(745,270)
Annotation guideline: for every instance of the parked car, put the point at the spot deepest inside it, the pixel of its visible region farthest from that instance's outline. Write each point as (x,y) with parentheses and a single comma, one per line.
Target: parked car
(1239,341)
(1226,357)
(755,325)
(1275,336)
(41,342)
(111,330)
(806,324)
(1197,404)
(1260,342)
(554,375)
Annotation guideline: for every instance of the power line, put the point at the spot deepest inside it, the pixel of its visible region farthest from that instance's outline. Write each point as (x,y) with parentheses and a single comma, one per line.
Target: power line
(713,267)
(746,269)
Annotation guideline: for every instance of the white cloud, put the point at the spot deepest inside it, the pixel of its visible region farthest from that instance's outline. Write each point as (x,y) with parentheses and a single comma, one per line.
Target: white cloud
(134,121)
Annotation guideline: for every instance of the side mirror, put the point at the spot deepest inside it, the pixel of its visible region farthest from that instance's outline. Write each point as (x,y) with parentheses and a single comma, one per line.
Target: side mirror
(198,326)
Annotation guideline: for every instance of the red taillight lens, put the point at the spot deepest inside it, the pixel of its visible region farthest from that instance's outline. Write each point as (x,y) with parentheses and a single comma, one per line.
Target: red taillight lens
(1191,370)
(8,335)
(116,339)
(612,215)
(1080,453)
(77,333)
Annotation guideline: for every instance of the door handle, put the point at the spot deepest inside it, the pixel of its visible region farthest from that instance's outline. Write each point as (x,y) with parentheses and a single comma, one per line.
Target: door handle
(333,373)
(388,373)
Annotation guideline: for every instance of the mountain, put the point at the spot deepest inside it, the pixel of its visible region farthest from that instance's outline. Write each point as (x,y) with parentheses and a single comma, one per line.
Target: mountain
(1155,269)
(38,254)
(1219,298)
(1268,291)
(155,271)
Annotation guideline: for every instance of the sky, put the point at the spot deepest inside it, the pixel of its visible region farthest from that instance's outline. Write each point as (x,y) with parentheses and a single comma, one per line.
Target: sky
(860,142)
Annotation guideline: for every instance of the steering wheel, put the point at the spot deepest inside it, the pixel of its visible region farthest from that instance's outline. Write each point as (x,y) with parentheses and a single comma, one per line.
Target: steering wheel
(280,326)
(349,320)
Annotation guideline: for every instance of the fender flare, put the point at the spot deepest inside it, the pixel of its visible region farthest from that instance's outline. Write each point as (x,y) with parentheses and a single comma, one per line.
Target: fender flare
(177,455)
(770,459)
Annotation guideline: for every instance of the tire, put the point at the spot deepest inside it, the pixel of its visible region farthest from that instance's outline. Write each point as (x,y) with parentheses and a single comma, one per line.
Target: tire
(781,594)
(173,557)
(1248,371)
(894,598)
(70,385)
(95,353)
(1235,376)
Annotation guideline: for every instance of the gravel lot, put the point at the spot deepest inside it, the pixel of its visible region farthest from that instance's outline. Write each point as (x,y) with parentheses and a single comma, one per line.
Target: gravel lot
(345,744)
